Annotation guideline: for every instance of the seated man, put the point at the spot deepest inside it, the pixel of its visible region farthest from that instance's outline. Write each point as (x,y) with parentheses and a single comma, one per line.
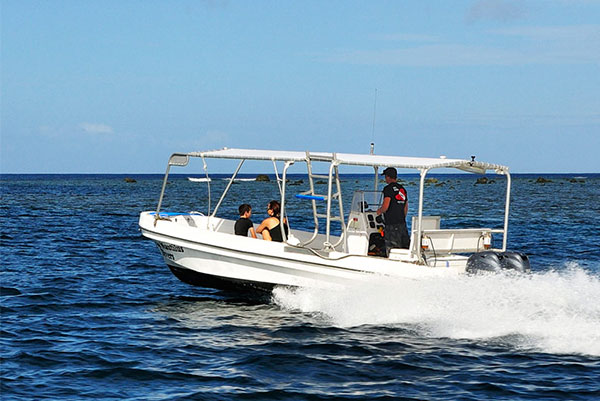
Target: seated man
(244,223)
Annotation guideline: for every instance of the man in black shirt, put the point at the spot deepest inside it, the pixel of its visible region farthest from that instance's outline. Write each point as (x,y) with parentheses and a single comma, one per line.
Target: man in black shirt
(394,209)
(244,223)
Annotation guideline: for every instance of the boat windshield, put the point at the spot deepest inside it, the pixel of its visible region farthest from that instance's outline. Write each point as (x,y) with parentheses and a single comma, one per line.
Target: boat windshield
(366,201)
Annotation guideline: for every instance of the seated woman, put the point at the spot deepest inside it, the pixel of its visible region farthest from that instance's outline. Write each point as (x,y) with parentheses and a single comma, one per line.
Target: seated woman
(270,227)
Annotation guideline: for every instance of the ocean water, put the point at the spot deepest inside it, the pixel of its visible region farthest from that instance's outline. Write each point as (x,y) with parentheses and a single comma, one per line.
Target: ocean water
(89,310)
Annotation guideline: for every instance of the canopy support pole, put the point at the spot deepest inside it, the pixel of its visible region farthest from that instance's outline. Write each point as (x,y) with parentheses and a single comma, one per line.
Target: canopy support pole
(162,191)
(277,176)
(506,211)
(227,188)
(376,181)
(208,184)
(327,244)
(176,159)
(282,190)
(420,219)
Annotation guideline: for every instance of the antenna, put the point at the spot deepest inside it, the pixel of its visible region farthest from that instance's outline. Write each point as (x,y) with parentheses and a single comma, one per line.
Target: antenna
(373,131)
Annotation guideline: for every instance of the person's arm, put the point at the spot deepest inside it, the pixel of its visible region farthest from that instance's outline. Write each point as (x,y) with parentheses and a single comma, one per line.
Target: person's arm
(384,207)
(266,234)
(252,233)
(262,229)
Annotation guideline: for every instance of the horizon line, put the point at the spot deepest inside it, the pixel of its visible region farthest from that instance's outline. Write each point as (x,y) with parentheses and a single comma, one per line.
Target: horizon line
(256,173)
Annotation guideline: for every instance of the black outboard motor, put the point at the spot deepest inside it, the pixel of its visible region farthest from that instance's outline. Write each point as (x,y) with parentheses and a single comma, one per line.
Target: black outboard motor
(492,261)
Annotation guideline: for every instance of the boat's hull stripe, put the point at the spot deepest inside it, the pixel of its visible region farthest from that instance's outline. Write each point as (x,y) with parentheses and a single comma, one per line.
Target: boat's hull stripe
(222,283)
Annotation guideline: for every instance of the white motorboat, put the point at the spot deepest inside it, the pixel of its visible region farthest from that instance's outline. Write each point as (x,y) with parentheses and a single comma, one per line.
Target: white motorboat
(200,179)
(203,250)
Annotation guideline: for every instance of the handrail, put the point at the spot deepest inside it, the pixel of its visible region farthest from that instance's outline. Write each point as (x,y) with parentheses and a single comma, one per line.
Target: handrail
(310,195)
(313,202)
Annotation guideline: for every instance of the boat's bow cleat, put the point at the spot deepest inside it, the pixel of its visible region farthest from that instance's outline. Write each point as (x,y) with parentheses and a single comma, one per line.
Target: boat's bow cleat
(492,261)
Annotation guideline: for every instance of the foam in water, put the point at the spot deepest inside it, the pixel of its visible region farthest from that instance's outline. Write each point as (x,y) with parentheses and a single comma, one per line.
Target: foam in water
(554,311)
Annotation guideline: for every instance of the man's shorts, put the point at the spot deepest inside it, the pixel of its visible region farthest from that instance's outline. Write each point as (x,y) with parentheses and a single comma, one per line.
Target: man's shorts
(396,236)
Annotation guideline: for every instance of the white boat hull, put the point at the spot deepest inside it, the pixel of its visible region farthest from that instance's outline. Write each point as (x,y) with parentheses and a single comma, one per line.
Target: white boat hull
(203,251)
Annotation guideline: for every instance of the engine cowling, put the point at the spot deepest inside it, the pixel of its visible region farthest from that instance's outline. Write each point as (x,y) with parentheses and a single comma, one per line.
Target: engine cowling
(492,261)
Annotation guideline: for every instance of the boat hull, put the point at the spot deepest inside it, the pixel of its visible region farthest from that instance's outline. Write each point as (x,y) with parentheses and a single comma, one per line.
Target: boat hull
(205,252)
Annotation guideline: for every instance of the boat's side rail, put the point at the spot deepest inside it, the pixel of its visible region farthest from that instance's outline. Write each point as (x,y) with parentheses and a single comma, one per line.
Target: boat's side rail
(226,226)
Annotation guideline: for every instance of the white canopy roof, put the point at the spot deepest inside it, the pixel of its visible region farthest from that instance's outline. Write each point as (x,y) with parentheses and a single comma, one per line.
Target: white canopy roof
(418,163)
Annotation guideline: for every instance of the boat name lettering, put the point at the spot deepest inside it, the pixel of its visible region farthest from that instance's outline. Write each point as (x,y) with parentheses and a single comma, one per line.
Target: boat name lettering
(167,255)
(170,247)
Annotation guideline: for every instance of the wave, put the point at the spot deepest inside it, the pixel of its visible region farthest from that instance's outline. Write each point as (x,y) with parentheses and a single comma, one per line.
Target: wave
(555,311)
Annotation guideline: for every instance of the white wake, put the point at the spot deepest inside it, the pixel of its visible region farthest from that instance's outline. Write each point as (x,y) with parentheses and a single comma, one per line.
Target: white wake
(555,311)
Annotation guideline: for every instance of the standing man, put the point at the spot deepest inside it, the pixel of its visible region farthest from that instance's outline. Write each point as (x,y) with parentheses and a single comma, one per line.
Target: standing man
(394,209)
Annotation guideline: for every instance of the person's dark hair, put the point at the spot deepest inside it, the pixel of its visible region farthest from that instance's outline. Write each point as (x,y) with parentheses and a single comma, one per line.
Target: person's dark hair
(275,207)
(244,208)
(390,172)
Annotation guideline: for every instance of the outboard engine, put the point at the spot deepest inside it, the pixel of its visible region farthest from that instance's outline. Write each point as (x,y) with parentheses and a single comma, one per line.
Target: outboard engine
(492,261)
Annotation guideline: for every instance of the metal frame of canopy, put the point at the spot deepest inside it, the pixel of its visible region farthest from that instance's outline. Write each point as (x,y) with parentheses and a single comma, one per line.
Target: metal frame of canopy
(423,165)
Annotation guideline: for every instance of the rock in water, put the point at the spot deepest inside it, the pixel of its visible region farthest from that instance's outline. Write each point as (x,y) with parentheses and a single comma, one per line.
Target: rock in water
(262,177)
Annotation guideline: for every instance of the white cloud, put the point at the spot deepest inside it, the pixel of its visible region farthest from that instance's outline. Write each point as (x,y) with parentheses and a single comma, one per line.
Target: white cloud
(93,128)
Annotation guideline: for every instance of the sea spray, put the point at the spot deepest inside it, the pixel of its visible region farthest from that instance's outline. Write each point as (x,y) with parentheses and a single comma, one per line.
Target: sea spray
(556,311)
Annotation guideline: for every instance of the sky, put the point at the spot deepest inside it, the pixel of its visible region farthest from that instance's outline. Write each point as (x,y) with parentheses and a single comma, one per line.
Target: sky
(117,86)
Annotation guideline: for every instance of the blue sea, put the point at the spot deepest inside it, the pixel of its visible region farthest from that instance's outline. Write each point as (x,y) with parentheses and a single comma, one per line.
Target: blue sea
(89,310)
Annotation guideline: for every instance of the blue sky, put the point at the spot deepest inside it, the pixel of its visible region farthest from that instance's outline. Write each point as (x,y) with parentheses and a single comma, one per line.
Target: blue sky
(117,86)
